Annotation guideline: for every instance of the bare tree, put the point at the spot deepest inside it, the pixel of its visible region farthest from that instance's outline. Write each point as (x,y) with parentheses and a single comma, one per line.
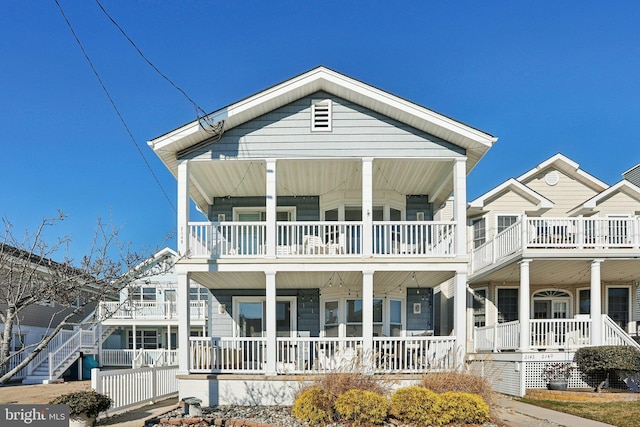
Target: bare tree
(29,276)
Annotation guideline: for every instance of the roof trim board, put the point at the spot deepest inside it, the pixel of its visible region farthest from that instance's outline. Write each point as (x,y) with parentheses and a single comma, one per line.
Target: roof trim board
(568,166)
(512,185)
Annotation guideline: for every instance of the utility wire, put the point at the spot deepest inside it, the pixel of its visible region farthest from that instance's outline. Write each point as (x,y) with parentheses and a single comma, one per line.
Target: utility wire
(104,88)
(148,61)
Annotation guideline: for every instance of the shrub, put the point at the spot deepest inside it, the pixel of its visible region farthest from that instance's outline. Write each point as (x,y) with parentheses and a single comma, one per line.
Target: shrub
(442,382)
(415,405)
(362,407)
(314,405)
(84,402)
(607,358)
(465,408)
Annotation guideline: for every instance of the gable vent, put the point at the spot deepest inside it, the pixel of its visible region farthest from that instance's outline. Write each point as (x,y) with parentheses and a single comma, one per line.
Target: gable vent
(321,115)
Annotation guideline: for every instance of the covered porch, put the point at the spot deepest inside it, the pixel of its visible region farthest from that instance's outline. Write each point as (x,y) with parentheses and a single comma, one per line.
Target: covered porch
(327,320)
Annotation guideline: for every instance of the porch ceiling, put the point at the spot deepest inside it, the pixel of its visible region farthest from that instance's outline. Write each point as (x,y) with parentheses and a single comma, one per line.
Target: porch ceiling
(314,177)
(382,281)
(553,272)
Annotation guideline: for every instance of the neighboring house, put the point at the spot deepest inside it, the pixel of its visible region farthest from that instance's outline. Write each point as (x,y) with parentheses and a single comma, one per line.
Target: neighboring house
(321,245)
(147,310)
(554,267)
(37,321)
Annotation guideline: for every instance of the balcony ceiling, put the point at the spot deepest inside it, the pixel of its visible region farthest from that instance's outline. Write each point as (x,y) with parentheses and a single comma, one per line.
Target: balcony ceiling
(383,281)
(559,273)
(322,176)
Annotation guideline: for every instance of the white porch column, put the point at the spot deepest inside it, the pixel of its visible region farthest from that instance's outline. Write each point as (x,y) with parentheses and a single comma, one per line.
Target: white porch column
(460,205)
(183,207)
(460,312)
(271,207)
(184,323)
(168,346)
(367,312)
(596,303)
(272,345)
(367,205)
(523,304)
(135,346)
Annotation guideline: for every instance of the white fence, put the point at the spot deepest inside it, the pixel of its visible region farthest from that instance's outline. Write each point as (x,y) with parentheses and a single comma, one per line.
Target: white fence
(129,387)
(137,358)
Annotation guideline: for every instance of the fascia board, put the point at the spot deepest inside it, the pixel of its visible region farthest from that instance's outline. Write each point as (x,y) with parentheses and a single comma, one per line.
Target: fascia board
(517,187)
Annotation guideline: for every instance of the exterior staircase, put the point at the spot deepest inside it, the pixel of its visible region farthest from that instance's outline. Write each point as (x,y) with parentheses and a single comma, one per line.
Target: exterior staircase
(65,348)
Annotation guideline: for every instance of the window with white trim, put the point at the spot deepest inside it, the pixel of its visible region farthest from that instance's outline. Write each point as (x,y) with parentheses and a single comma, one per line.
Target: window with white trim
(507,304)
(479,307)
(321,115)
(479,231)
(505,221)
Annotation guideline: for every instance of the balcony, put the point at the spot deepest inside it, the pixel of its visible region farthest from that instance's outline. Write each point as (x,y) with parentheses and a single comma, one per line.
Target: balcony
(597,235)
(322,239)
(151,310)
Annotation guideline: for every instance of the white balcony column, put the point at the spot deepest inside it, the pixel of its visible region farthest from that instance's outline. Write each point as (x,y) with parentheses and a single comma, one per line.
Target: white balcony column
(596,303)
(272,209)
(460,312)
(134,332)
(367,312)
(524,303)
(460,205)
(367,206)
(270,324)
(168,345)
(184,324)
(183,207)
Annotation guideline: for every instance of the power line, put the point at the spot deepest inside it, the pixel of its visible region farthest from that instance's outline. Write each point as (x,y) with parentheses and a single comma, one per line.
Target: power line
(148,61)
(214,128)
(113,104)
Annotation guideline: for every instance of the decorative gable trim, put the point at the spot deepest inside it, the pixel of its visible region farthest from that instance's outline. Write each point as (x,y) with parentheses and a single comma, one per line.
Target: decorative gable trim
(515,186)
(622,186)
(567,166)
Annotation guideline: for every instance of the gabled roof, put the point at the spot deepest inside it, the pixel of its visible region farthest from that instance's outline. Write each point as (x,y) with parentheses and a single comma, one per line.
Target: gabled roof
(623,186)
(569,167)
(517,187)
(474,141)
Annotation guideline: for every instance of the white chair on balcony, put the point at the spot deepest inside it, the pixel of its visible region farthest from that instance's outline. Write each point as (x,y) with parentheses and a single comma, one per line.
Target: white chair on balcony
(339,247)
(313,245)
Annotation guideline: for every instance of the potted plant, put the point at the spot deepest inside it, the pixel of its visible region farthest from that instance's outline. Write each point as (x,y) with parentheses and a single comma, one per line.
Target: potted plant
(558,374)
(84,406)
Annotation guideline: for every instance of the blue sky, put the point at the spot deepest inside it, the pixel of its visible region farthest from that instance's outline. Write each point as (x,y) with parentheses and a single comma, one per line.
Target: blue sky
(544,77)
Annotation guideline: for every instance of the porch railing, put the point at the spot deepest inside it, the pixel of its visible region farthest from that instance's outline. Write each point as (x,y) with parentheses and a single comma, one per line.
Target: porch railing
(594,234)
(559,333)
(321,238)
(151,310)
(549,334)
(308,355)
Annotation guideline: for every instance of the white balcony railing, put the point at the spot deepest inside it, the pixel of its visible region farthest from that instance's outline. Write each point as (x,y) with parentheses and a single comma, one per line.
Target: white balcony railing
(321,238)
(549,334)
(591,234)
(151,310)
(306,355)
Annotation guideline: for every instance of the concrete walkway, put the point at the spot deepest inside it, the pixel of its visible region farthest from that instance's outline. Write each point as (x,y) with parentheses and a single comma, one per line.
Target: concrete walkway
(518,414)
(135,417)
